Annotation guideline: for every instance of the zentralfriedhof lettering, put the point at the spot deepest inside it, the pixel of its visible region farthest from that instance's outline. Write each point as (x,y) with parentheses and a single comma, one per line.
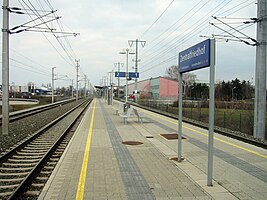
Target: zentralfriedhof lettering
(195,57)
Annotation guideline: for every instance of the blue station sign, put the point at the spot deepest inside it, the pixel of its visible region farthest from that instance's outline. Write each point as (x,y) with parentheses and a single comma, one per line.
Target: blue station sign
(195,57)
(130,74)
(120,74)
(133,75)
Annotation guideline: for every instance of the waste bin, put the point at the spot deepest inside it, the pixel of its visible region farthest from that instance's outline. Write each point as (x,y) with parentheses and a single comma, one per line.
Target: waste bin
(126,106)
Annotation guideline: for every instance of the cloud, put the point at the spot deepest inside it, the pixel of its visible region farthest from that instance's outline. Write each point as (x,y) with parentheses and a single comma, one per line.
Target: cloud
(106,26)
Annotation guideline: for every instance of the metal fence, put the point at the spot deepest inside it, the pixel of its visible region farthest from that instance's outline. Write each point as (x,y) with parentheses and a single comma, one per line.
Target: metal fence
(235,116)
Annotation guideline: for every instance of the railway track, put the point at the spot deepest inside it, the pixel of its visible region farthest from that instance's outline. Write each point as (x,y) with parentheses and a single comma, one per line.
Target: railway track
(28,112)
(25,169)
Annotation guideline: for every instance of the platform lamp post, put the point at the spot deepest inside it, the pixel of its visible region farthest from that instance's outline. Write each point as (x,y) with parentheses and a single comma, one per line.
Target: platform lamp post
(127,52)
(233,93)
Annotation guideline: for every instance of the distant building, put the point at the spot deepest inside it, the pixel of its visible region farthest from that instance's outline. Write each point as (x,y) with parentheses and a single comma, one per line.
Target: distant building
(156,88)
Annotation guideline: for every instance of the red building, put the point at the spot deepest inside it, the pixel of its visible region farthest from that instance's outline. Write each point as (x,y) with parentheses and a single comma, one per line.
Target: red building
(156,88)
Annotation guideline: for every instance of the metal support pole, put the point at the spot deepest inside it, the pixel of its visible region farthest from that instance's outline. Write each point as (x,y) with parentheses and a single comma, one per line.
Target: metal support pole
(5,69)
(85,79)
(211,111)
(180,129)
(77,79)
(88,83)
(53,79)
(136,56)
(119,77)
(127,72)
(127,75)
(72,88)
(260,75)
(136,62)
(112,75)
(118,88)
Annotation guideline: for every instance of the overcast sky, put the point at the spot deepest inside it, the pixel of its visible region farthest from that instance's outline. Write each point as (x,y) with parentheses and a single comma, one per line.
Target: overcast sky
(105,26)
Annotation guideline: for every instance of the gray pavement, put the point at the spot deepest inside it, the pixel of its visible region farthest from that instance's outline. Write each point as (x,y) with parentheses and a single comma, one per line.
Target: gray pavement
(119,171)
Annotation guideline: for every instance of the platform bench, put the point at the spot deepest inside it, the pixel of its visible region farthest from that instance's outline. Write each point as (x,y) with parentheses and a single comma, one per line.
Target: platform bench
(126,115)
(118,108)
(139,115)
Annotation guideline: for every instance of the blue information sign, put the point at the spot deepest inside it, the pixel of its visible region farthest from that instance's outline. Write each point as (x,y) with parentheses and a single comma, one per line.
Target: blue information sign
(133,75)
(130,74)
(195,57)
(120,74)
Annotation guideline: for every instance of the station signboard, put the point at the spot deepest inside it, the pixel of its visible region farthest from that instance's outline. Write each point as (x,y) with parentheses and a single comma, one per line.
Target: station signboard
(195,57)
(130,74)
(133,75)
(120,74)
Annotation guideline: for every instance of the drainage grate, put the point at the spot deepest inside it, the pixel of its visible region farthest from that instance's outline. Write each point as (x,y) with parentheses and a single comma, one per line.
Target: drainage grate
(171,136)
(149,136)
(132,142)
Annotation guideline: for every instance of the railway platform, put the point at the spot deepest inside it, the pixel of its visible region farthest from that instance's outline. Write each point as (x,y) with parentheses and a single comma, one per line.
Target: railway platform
(107,159)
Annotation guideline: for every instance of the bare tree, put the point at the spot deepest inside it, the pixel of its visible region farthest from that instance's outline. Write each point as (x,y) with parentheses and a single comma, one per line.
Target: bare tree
(188,78)
(172,72)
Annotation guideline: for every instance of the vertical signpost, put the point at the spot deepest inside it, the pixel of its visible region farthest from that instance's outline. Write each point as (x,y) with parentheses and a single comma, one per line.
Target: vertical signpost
(196,57)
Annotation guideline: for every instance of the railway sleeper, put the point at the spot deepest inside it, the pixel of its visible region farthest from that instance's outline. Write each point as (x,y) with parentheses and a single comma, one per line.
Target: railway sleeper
(62,147)
(11,180)
(51,163)
(59,152)
(32,193)
(41,179)
(30,153)
(37,185)
(8,187)
(5,194)
(23,161)
(32,144)
(41,142)
(55,155)
(33,150)
(7,164)
(52,159)
(11,175)
(15,169)
(36,147)
(45,173)
(48,168)
(28,157)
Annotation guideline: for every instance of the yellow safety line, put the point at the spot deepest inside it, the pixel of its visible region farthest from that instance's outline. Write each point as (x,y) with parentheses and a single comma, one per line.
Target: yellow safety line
(221,140)
(80,190)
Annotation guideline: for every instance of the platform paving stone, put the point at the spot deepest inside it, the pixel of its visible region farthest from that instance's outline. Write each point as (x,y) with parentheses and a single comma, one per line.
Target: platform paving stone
(119,171)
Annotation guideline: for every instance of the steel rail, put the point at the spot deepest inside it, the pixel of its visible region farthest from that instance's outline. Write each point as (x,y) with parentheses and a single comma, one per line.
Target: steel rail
(36,169)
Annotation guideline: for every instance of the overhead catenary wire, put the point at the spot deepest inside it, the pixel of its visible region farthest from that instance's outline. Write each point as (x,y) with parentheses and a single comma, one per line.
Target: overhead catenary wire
(163,39)
(156,19)
(202,20)
(34,10)
(164,50)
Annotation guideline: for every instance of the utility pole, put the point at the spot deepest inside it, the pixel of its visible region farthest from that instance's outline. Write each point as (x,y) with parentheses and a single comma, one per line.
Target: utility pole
(111,86)
(88,83)
(77,78)
(85,80)
(260,75)
(5,69)
(53,79)
(71,88)
(143,43)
